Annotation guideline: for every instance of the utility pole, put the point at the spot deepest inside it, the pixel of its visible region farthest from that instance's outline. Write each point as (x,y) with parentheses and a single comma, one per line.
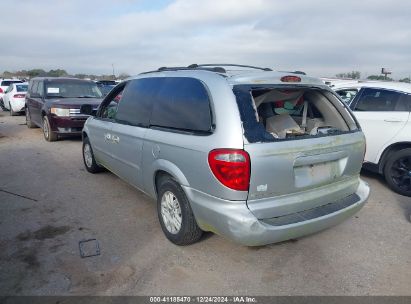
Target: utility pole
(114,75)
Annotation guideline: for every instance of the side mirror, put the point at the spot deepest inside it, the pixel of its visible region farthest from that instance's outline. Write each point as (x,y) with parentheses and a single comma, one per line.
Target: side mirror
(86,109)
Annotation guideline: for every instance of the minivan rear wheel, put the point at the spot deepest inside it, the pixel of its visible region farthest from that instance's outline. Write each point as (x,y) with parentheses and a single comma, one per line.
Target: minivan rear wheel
(88,158)
(397,172)
(49,135)
(175,215)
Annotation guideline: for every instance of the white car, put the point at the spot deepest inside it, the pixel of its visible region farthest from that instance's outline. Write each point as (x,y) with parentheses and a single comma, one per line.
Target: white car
(14,97)
(4,84)
(332,82)
(383,111)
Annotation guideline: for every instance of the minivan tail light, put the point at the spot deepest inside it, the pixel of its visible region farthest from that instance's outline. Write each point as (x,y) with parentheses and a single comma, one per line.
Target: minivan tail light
(1,90)
(19,95)
(231,167)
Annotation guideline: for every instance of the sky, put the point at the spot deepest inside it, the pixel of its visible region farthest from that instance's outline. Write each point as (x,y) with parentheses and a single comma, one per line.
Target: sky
(322,38)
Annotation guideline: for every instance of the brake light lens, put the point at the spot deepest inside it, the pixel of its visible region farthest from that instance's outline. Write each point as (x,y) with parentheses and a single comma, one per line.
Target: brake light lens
(1,90)
(290,78)
(19,95)
(231,167)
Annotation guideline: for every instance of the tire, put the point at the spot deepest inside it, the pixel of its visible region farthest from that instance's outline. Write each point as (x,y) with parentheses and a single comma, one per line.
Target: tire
(12,113)
(397,171)
(173,208)
(48,134)
(2,105)
(88,158)
(29,123)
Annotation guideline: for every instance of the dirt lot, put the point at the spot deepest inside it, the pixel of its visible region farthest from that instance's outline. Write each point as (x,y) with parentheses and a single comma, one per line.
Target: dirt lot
(48,203)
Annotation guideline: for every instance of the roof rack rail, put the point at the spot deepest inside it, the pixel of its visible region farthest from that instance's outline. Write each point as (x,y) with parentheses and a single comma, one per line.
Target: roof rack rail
(189,68)
(228,65)
(217,68)
(192,67)
(295,72)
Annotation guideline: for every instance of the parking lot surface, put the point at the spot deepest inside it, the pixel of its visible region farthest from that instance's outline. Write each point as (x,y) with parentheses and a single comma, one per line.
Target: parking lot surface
(49,202)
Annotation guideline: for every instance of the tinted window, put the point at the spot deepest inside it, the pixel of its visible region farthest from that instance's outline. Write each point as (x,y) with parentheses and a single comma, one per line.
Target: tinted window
(5,83)
(182,103)
(136,100)
(21,87)
(381,100)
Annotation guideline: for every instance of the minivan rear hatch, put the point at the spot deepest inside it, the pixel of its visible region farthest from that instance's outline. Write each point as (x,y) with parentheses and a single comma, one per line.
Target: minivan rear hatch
(305,147)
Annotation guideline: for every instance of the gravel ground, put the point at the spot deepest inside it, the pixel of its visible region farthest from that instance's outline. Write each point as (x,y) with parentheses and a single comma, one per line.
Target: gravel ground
(49,202)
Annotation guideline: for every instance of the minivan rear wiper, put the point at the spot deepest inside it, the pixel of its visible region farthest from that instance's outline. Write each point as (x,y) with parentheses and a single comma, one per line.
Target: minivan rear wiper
(86,96)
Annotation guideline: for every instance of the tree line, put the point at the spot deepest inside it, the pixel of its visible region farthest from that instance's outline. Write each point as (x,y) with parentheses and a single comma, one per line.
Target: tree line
(59,73)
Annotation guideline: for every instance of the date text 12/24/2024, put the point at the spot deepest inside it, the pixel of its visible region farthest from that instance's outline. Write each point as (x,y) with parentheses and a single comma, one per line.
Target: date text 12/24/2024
(203,299)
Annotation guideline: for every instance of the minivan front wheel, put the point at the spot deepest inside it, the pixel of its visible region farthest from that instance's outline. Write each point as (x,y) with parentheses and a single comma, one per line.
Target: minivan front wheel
(175,215)
(88,158)
(49,135)
(397,172)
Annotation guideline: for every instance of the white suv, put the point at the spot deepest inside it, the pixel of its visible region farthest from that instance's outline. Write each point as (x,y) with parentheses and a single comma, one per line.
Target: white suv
(383,110)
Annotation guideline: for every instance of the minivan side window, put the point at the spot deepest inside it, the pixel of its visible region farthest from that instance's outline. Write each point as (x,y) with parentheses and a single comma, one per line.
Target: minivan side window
(377,100)
(110,110)
(182,103)
(136,102)
(109,106)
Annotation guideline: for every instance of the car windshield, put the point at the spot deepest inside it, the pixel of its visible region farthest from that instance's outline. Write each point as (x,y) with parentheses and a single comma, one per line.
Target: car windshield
(74,89)
(6,83)
(21,87)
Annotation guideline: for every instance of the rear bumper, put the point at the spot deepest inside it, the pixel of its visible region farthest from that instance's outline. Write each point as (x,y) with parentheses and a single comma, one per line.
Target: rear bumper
(232,219)
(18,104)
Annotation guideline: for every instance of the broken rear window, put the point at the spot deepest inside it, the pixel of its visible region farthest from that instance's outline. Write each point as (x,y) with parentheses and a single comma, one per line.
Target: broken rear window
(270,113)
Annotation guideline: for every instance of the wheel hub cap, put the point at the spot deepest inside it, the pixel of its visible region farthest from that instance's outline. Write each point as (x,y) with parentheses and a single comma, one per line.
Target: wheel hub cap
(46,130)
(87,155)
(401,173)
(171,212)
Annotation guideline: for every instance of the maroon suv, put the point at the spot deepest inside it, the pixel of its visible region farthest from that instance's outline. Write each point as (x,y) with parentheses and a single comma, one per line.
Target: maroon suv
(53,104)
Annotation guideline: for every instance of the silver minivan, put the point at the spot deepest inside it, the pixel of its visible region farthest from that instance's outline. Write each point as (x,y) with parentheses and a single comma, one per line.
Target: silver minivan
(253,155)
